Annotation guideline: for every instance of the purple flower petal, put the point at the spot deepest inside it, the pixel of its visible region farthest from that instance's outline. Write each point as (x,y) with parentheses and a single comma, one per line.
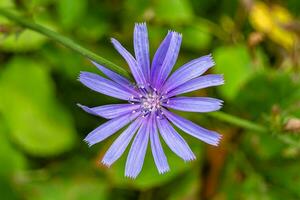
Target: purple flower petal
(137,151)
(193,129)
(103,85)
(87,109)
(188,71)
(109,128)
(112,75)
(165,58)
(122,81)
(194,104)
(120,144)
(157,150)
(197,83)
(111,111)
(176,143)
(136,70)
(141,48)
(160,53)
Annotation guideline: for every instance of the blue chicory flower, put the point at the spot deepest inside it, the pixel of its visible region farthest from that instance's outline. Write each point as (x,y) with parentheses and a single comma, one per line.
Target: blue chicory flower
(147,112)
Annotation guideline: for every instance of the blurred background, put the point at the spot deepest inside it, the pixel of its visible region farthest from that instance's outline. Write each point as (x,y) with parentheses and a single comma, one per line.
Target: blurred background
(255,45)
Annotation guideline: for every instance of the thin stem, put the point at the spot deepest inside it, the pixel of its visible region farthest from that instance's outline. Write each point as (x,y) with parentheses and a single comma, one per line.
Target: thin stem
(64,41)
(89,54)
(238,121)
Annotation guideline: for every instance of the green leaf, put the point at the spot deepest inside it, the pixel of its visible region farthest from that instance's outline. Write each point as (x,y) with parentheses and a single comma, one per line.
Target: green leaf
(24,41)
(70,66)
(6,190)
(7,4)
(66,187)
(186,186)
(71,12)
(196,36)
(12,162)
(33,4)
(235,63)
(262,147)
(93,29)
(286,176)
(131,14)
(38,123)
(165,11)
(11,159)
(19,39)
(264,85)
(240,181)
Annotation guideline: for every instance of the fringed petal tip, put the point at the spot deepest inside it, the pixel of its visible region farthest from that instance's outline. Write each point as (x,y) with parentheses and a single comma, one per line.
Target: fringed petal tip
(217,140)
(133,176)
(190,159)
(88,142)
(221,77)
(114,41)
(220,137)
(105,163)
(220,104)
(211,58)
(81,74)
(164,170)
(174,32)
(130,176)
(140,24)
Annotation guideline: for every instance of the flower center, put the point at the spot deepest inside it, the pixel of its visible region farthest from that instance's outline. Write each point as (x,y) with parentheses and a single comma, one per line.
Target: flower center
(151,102)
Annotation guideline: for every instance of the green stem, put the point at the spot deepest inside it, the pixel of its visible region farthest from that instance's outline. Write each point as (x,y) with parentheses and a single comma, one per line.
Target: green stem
(64,41)
(89,54)
(238,121)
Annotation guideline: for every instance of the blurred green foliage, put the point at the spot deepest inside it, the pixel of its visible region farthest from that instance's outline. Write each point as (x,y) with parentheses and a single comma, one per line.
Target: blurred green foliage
(255,45)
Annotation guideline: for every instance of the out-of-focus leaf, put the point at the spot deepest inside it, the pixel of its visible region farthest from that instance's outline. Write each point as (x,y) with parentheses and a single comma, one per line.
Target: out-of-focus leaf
(70,66)
(165,11)
(149,177)
(37,4)
(19,39)
(196,37)
(262,147)
(93,29)
(271,21)
(286,176)
(186,187)
(293,6)
(239,181)
(6,189)
(11,160)
(71,178)
(271,97)
(235,64)
(266,90)
(37,122)
(136,13)
(26,40)
(71,12)
(76,188)
(7,4)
